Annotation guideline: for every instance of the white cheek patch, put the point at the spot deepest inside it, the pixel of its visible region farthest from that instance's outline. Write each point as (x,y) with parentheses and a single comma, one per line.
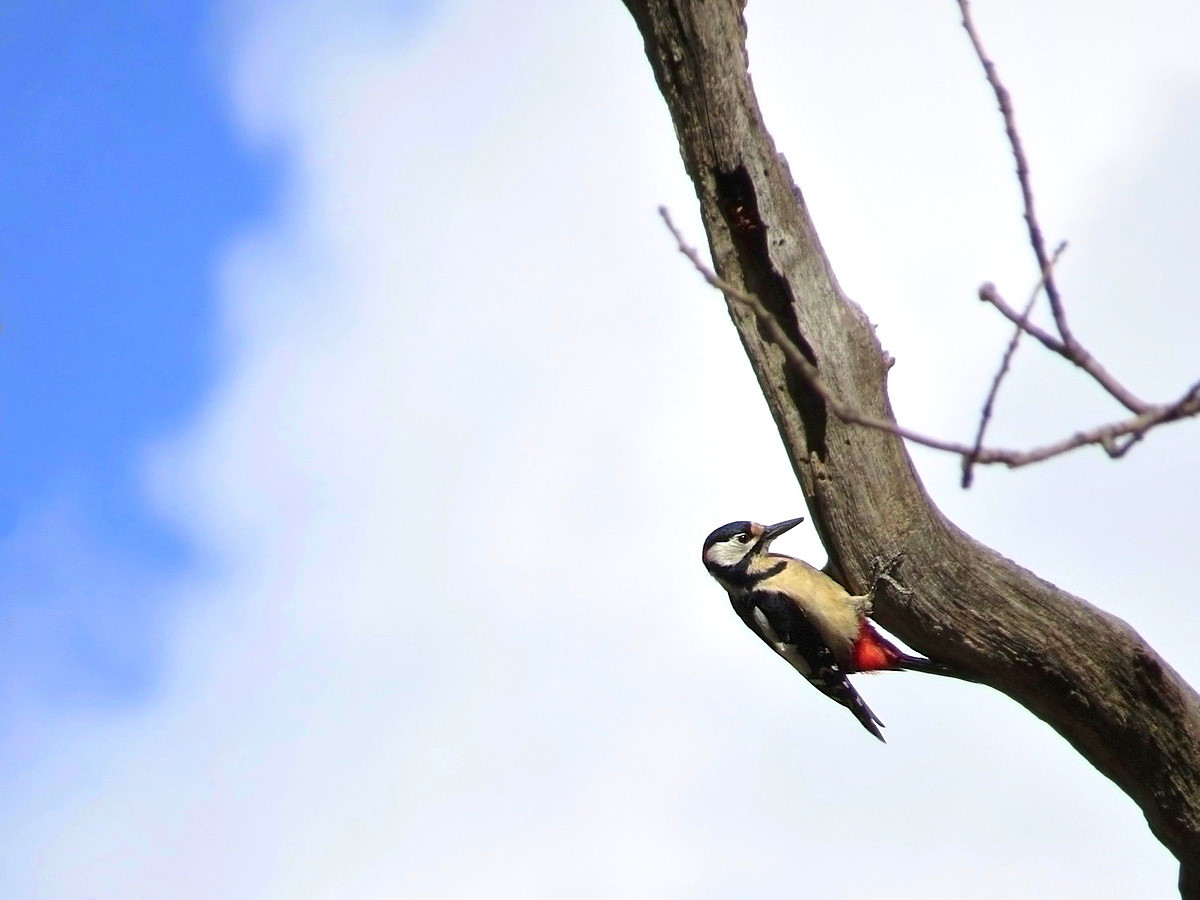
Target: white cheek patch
(728,553)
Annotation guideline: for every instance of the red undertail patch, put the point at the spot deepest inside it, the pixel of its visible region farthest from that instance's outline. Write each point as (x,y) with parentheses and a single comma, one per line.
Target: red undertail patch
(872,653)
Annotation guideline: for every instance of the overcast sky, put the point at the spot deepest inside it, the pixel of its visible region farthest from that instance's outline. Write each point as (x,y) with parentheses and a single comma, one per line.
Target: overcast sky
(361,427)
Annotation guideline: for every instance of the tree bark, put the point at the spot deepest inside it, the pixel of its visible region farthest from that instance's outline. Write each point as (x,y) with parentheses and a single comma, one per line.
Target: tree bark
(1088,674)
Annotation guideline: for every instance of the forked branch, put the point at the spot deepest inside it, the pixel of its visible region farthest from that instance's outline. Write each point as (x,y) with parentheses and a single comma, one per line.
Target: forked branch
(1115,438)
(1067,345)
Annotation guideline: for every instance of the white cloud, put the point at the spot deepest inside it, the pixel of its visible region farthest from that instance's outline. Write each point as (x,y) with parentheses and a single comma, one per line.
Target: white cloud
(454,640)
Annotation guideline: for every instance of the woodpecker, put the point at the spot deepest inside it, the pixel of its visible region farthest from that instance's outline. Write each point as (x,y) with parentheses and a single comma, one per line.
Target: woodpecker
(804,615)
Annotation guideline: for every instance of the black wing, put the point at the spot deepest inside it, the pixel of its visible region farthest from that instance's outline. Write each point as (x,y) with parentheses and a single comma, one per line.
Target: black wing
(782,624)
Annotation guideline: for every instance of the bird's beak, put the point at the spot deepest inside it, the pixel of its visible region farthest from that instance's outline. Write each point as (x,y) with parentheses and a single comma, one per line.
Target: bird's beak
(773,531)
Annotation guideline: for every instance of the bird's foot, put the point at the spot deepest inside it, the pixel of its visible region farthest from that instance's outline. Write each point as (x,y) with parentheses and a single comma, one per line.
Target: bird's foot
(883,575)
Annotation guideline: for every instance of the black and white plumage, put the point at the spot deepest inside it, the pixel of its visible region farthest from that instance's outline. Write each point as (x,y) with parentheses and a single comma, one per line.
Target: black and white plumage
(804,615)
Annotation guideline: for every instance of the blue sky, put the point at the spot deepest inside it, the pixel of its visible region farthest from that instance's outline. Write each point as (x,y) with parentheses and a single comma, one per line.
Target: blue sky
(345,359)
(122,179)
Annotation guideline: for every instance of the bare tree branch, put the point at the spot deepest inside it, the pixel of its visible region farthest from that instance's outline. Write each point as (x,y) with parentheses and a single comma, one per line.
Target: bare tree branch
(792,352)
(985,414)
(988,293)
(1070,348)
(1104,436)
(1108,436)
(1045,266)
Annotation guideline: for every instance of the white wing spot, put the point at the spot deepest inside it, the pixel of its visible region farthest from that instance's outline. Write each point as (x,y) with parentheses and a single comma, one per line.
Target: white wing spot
(764,627)
(783,648)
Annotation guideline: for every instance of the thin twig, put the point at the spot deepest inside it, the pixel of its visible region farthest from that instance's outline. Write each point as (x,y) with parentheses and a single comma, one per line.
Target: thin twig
(793,354)
(1069,347)
(1076,355)
(1104,435)
(1185,406)
(985,414)
(989,294)
(1045,266)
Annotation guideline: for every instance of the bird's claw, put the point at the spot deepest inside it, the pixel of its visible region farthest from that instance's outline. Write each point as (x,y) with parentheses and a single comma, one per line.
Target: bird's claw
(883,574)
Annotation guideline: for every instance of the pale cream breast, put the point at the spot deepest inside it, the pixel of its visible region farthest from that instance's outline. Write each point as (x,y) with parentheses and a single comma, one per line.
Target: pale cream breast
(829,606)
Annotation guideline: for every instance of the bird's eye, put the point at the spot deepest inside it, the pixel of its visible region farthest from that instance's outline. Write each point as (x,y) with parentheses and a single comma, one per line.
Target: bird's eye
(743,538)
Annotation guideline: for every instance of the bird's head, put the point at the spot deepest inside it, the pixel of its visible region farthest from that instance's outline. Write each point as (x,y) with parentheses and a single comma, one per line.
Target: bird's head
(732,548)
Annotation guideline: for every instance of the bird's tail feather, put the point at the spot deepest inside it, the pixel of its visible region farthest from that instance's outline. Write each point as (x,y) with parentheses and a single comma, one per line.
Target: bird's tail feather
(869,720)
(833,683)
(844,693)
(930,667)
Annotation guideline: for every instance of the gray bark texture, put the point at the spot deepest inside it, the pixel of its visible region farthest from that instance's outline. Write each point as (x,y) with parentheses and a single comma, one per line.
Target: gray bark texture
(1087,674)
